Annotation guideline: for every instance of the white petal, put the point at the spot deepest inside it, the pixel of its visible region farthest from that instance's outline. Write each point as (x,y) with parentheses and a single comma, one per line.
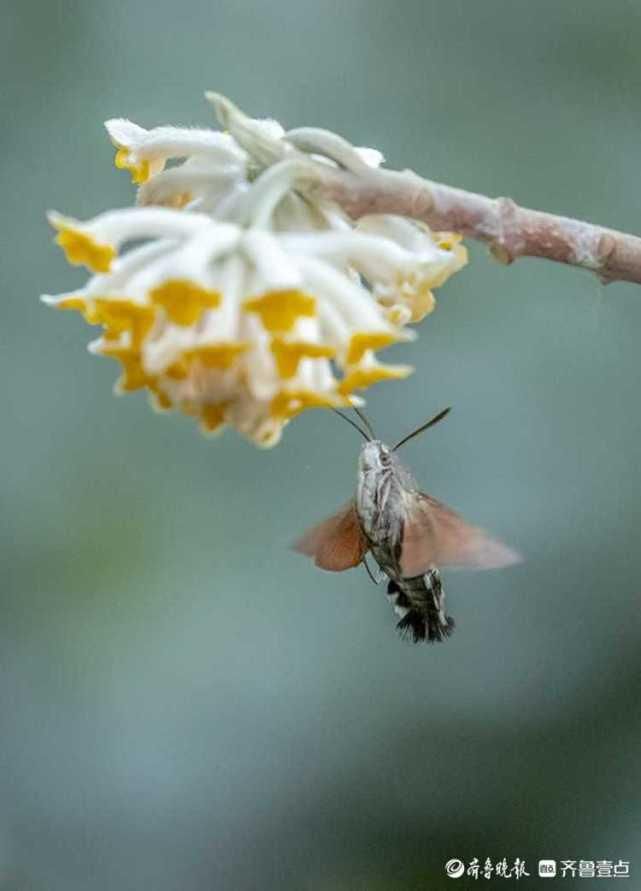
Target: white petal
(125,133)
(261,138)
(371,156)
(265,193)
(262,377)
(164,187)
(374,256)
(325,145)
(114,283)
(406,233)
(161,352)
(275,269)
(355,304)
(173,142)
(115,227)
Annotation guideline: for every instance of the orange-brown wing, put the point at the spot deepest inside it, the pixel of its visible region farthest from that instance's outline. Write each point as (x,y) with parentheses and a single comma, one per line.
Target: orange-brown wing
(434,535)
(337,543)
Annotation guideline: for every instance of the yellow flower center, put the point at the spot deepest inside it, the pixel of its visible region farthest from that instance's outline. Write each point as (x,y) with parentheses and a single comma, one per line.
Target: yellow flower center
(120,315)
(289,403)
(450,241)
(279,310)
(85,307)
(82,250)
(160,400)
(360,343)
(212,416)
(398,314)
(139,172)
(116,314)
(178,370)
(183,300)
(418,297)
(447,241)
(288,354)
(269,433)
(216,355)
(134,377)
(360,378)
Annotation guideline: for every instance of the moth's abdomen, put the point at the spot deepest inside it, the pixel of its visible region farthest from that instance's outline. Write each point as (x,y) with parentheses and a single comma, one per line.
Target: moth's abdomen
(420,602)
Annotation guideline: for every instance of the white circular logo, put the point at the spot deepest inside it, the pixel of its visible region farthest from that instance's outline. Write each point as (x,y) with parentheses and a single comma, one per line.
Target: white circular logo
(455,868)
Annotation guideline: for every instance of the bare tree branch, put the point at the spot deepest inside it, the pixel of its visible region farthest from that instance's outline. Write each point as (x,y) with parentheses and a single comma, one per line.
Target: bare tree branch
(509,230)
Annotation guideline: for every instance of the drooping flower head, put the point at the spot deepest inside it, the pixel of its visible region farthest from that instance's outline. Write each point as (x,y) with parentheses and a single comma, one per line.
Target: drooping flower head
(241,299)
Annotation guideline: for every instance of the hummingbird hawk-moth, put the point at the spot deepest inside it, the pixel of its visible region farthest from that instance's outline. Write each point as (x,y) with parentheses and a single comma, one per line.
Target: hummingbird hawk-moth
(410,535)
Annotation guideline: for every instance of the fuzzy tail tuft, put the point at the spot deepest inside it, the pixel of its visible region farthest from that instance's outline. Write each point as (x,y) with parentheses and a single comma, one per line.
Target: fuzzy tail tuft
(417,627)
(422,613)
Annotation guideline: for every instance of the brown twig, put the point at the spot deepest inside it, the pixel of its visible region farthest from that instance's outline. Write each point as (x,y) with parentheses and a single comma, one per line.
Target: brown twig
(509,230)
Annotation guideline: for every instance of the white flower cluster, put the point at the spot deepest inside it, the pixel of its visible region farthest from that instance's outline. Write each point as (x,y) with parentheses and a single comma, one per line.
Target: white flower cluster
(245,299)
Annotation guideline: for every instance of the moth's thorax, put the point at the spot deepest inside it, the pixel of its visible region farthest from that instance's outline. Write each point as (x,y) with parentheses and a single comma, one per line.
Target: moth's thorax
(378,492)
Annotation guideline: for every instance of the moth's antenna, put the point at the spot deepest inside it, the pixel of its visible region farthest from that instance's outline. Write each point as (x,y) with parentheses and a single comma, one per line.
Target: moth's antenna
(353,423)
(430,423)
(366,423)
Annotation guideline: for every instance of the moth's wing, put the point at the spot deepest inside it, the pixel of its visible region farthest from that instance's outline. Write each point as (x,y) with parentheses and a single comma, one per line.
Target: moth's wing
(434,535)
(337,543)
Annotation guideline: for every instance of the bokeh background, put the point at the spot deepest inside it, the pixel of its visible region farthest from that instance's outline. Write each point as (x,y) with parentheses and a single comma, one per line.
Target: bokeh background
(186,705)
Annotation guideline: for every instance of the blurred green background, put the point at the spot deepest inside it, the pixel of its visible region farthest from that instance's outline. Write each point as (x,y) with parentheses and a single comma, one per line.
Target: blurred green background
(186,704)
